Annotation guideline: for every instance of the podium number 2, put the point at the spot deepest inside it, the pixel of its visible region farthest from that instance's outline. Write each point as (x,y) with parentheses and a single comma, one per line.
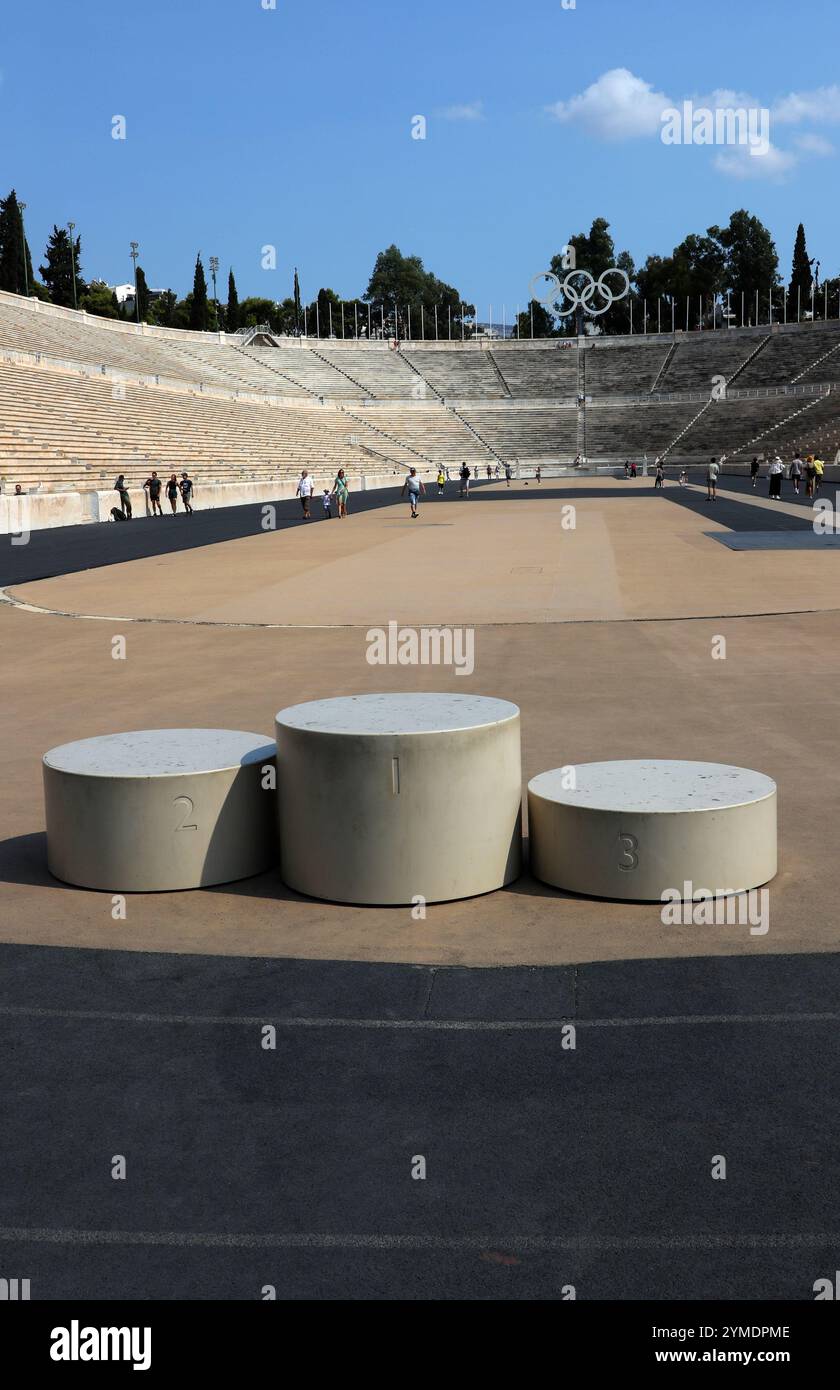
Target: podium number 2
(187,804)
(630,857)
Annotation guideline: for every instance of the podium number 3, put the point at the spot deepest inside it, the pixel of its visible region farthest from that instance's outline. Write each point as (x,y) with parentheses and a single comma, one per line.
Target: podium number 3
(630,856)
(188,808)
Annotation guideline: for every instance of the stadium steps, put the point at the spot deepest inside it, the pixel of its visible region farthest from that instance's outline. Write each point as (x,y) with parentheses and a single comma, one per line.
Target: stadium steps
(479,437)
(417,373)
(747,360)
(663,369)
(684,432)
(499,373)
(364,389)
(780,425)
(580,437)
(310,390)
(814,365)
(385,435)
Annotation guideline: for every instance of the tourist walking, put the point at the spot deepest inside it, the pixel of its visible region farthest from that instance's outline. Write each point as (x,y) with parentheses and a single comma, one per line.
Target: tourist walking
(819,472)
(776,473)
(810,476)
(341,492)
(441,482)
(414,486)
(326,502)
(754,467)
(660,476)
(305,489)
(796,472)
(539,474)
(508,473)
(172,493)
(464,475)
(711,480)
(186,487)
(153,487)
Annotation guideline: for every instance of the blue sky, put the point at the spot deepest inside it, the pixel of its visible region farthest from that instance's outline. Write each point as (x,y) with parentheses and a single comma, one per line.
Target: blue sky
(248,126)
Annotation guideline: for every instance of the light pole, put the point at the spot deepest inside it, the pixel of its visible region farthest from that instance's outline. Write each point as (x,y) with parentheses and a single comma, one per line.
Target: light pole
(71,226)
(22,207)
(214,266)
(135,247)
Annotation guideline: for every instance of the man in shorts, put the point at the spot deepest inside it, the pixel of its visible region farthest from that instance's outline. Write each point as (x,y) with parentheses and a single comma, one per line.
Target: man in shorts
(414,485)
(712,473)
(153,487)
(186,487)
(121,487)
(305,488)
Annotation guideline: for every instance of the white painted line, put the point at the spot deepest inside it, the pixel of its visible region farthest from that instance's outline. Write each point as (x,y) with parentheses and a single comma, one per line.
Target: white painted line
(420,1024)
(491,1241)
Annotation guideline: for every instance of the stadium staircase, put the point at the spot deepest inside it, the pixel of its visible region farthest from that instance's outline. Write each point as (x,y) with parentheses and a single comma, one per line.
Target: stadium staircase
(747,360)
(416,372)
(663,369)
(807,371)
(310,390)
(365,390)
(497,369)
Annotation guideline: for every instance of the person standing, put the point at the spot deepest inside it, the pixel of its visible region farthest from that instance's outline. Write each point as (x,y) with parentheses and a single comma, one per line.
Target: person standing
(819,471)
(711,480)
(539,474)
(754,471)
(441,481)
(414,485)
(186,487)
(776,473)
(508,473)
(172,493)
(341,492)
(660,476)
(810,476)
(464,475)
(153,486)
(796,472)
(121,487)
(305,489)
(327,504)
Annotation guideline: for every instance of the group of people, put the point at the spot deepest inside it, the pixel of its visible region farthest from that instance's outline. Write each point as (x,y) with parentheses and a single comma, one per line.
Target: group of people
(811,468)
(153,487)
(340,491)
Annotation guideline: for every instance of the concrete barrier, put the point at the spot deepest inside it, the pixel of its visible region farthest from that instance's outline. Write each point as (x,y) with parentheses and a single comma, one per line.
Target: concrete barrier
(37,511)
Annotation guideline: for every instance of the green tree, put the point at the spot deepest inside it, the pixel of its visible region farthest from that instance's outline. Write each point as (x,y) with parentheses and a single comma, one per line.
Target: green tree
(594,251)
(61,260)
(801,279)
(536,315)
(232,320)
(399,283)
(15,263)
(752,263)
(199,314)
(141,308)
(161,310)
(100,299)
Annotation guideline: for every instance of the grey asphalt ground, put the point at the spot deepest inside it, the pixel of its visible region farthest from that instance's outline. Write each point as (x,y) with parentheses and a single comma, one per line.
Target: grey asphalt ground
(546,1166)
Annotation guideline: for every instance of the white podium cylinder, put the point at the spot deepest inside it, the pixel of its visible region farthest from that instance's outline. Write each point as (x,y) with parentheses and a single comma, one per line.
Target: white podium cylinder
(160,809)
(634,830)
(386,798)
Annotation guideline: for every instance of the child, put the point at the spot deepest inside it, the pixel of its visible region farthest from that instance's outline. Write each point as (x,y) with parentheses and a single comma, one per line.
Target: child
(327,501)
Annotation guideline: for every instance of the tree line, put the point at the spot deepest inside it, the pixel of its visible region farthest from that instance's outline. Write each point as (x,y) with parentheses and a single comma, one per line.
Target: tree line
(728,274)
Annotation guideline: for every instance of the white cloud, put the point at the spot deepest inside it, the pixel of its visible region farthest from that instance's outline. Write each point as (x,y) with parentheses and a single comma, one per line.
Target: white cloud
(740,162)
(814,144)
(821,105)
(471,111)
(618,106)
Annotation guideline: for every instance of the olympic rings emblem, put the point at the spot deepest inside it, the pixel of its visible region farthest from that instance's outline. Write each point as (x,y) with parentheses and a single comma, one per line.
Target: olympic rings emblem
(580,295)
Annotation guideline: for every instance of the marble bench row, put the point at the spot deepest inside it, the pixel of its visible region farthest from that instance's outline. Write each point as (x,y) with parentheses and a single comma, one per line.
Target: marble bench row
(389,799)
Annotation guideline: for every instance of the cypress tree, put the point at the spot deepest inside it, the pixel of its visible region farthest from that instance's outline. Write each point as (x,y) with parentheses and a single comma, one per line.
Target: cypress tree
(801,278)
(141,308)
(57,274)
(199,314)
(232,312)
(14,252)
